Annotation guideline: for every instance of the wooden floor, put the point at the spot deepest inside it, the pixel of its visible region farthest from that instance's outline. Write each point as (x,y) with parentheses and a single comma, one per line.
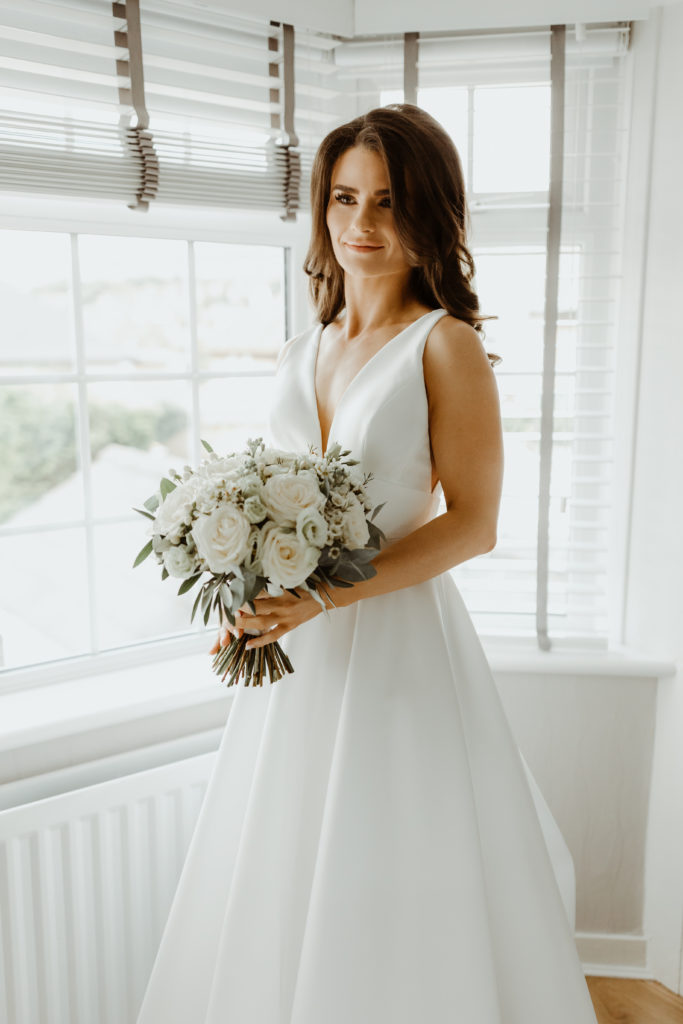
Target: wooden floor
(632,1001)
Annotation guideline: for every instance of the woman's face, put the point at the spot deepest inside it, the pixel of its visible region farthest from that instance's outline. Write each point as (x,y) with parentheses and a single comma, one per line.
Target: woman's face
(359,216)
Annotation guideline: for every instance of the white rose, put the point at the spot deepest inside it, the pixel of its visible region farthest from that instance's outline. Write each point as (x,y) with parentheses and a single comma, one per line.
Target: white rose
(311,527)
(222,538)
(175,511)
(254,509)
(286,559)
(355,528)
(285,495)
(179,562)
(228,467)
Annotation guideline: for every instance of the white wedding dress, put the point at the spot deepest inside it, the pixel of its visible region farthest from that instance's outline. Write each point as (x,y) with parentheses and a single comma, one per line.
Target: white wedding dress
(372,847)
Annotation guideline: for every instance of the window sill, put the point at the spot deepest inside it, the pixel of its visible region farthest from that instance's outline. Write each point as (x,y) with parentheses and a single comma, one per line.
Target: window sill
(96,718)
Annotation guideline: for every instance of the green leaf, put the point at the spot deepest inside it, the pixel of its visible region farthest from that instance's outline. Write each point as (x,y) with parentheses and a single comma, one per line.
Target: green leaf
(206,445)
(349,572)
(188,583)
(143,554)
(237,588)
(164,573)
(377,509)
(194,607)
(207,614)
(152,503)
(148,515)
(166,486)
(360,555)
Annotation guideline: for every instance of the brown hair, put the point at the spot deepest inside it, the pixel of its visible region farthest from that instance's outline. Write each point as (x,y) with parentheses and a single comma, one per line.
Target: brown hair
(429,207)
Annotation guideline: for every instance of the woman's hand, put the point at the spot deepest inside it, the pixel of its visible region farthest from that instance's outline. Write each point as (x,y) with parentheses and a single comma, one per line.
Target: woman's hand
(226,631)
(276,616)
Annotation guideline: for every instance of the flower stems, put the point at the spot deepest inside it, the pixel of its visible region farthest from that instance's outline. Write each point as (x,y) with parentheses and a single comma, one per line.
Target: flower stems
(236,661)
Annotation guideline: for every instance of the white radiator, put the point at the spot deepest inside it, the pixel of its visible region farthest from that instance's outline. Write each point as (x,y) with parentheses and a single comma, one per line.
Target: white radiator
(86,883)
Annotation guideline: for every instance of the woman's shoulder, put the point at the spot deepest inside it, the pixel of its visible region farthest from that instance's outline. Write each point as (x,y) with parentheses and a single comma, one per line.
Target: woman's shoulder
(454,347)
(450,333)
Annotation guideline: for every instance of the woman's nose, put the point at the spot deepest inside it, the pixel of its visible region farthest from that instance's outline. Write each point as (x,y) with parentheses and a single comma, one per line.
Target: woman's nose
(362,220)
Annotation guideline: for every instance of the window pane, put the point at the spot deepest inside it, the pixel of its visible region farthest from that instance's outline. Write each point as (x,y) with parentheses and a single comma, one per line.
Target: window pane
(40,478)
(233,410)
(137,432)
(511,138)
(449,106)
(511,286)
(37,335)
(135,304)
(240,305)
(136,604)
(43,596)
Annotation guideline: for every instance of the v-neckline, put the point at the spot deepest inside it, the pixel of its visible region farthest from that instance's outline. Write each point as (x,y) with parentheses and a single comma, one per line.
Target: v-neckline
(316,349)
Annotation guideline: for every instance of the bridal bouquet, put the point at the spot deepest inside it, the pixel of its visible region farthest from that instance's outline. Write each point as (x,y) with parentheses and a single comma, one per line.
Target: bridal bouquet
(262,519)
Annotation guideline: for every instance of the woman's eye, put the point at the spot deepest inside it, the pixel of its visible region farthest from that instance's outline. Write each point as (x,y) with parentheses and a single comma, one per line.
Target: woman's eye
(341,197)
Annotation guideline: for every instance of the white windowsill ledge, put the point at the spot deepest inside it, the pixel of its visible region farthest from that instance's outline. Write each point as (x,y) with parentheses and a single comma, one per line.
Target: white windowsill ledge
(112,698)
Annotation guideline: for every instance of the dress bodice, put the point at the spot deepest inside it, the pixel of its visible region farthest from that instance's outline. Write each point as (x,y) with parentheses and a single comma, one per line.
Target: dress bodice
(382,417)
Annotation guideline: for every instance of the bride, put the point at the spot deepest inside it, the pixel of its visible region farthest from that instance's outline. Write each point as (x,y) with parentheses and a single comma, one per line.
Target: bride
(372,847)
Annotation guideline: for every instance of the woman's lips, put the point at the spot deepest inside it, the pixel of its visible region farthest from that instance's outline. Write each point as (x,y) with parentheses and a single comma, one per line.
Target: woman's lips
(363,248)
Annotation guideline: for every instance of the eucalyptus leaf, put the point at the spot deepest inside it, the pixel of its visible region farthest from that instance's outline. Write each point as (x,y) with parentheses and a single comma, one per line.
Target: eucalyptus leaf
(348,571)
(147,550)
(377,509)
(194,606)
(361,554)
(152,503)
(148,515)
(188,583)
(206,445)
(237,588)
(207,614)
(164,573)
(166,486)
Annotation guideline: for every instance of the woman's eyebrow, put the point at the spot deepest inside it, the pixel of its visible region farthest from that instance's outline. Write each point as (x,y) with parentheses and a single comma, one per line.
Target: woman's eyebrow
(379,192)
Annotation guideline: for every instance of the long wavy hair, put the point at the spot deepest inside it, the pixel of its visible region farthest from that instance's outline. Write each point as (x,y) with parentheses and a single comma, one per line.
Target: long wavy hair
(429,206)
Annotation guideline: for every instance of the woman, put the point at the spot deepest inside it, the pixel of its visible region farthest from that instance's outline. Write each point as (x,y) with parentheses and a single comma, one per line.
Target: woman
(372,847)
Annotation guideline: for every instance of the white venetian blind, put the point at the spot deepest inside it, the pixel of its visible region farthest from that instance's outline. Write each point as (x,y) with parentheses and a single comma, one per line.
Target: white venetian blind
(492,92)
(213,88)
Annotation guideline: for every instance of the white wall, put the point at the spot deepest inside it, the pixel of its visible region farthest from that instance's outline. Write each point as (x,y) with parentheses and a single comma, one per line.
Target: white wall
(654,590)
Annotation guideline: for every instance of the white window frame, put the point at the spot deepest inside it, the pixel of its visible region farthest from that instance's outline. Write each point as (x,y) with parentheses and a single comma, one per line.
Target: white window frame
(189,225)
